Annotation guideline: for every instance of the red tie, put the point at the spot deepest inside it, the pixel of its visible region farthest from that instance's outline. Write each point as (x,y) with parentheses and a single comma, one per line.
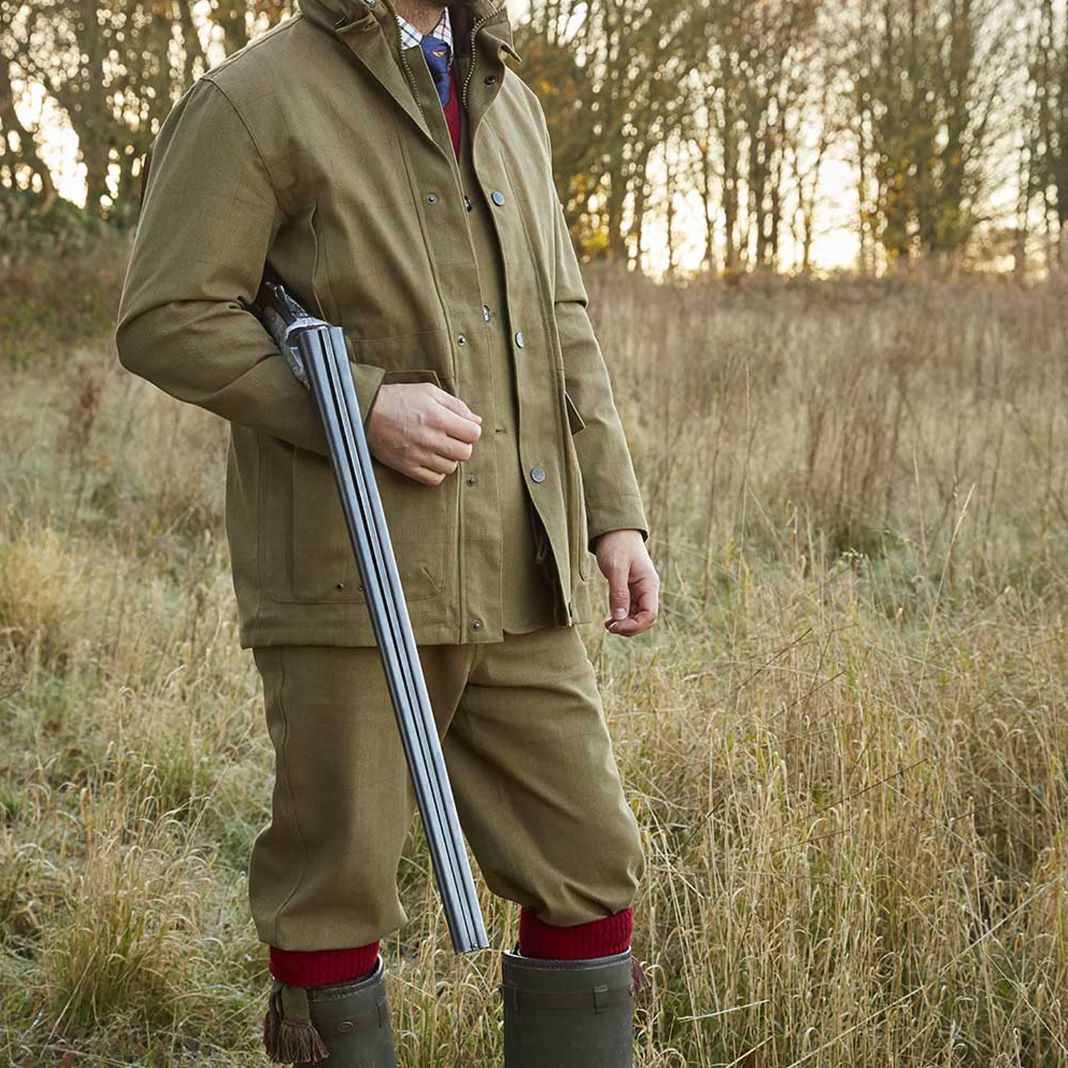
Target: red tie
(452,110)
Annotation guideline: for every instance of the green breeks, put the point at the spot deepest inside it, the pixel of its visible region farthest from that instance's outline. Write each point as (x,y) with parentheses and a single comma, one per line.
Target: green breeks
(532,769)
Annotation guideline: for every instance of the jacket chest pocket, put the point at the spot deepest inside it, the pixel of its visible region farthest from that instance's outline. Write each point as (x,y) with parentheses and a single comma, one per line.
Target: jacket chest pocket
(323,563)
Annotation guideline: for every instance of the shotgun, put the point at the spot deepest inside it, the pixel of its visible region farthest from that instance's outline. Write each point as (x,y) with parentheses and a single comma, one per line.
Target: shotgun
(315,351)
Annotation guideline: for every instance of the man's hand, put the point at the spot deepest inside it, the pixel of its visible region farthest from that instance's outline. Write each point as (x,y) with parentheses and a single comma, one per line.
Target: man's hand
(420,430)
(633,584)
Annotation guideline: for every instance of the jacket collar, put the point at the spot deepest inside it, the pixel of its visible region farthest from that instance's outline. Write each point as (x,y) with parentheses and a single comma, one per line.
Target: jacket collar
(368,28)
(495,28)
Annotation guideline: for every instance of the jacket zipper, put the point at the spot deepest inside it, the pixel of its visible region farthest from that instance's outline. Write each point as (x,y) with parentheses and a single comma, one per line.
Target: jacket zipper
(474,55)
(410,75)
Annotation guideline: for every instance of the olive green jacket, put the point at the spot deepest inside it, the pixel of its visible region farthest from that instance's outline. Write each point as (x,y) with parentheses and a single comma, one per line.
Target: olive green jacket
(319,150)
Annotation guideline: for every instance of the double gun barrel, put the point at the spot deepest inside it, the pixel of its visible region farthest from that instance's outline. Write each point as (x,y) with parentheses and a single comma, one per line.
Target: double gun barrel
(316,353)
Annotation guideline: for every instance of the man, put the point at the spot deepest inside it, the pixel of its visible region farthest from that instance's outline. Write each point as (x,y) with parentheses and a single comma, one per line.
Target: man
(382,160)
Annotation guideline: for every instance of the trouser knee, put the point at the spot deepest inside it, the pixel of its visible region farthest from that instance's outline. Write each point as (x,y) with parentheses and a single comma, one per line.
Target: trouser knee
(600,877)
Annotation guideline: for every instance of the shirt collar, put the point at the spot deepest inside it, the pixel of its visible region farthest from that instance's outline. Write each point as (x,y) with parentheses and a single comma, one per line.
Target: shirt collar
(410,36)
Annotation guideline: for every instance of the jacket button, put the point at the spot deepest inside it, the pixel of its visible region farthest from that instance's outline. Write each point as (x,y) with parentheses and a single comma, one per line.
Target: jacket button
(472,480)
(486,313)
(497,197)
(519,339)
(431,198)
(538,474)
(467,202)
(461,340)
(476,624)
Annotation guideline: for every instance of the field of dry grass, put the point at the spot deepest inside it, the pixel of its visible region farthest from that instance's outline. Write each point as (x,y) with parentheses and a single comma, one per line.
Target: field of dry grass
(846,740)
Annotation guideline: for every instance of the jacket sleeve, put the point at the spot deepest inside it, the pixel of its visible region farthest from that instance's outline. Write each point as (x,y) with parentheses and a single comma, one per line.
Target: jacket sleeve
(613,499)
(208,219)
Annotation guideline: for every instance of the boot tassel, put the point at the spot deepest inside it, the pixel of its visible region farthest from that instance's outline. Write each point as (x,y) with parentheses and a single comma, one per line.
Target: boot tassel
(289,1036)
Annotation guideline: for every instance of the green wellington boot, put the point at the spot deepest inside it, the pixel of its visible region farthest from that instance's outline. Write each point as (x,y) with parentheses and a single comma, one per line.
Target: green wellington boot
(344,1025)
(568,1013)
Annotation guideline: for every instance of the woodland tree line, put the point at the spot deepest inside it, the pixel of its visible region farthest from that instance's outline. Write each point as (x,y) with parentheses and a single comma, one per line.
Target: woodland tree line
(951,116)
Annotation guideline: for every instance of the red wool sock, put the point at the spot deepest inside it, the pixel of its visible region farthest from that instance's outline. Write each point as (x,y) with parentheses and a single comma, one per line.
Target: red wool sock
(322,967)
(599,938)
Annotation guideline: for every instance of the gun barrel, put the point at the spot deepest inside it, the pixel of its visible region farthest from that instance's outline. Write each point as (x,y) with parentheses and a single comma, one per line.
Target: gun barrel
(323,360)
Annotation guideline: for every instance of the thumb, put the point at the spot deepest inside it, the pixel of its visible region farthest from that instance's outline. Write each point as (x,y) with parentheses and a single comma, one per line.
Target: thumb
(619,591)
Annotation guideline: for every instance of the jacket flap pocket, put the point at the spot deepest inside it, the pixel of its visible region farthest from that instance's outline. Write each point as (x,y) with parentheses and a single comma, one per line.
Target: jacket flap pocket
(574,420)
(428,375)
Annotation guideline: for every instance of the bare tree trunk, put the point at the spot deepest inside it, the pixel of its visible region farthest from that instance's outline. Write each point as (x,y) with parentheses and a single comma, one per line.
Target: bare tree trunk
(637,226)
(705,174)
(89,115)
(731,197)
(669,197)
(28,154)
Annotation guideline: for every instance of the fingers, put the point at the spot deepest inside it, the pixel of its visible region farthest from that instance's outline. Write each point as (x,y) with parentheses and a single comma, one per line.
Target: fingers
(451,448)
(441,453)
(454,430)
(454,404)
(445,438)
(426,475)
(422,431)
(636,623)
(446,420)
(642,604)
(434,461)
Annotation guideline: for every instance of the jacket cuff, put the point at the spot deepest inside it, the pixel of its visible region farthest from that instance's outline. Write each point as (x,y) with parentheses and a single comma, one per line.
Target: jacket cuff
(623,513)
(367,378)
(299,423)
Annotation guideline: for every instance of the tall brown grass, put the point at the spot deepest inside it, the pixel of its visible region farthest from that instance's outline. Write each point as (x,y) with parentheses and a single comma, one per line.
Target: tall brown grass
(845,740)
